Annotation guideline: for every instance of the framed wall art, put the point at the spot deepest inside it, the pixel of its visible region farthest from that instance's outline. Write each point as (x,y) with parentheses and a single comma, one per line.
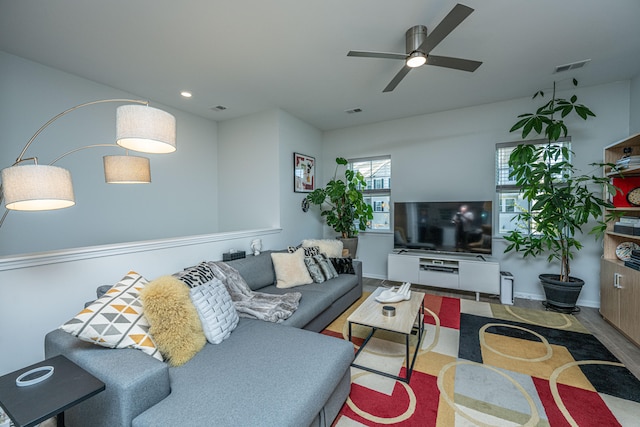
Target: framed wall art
(304,173)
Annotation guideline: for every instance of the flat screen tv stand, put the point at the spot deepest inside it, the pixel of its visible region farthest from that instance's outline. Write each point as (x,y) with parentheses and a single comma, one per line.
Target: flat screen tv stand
(465,272)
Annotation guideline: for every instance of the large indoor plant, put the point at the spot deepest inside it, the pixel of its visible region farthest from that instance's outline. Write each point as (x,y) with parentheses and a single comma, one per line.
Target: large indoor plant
(561,201)
(342,204)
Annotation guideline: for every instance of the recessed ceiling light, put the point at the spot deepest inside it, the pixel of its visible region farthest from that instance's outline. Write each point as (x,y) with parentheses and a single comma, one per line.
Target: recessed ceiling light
(186,94)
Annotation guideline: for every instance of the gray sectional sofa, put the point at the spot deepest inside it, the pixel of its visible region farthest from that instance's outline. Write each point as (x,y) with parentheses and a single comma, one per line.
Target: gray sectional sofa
(264,374)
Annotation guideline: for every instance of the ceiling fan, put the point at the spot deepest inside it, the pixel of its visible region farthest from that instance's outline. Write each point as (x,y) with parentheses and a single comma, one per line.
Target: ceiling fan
(419,45)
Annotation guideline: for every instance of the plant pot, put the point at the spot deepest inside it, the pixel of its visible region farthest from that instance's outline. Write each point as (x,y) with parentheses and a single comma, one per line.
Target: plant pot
(350,243)
(561,296)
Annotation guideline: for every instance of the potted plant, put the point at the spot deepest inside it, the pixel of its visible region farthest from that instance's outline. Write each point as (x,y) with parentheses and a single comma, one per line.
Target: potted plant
(561,200)
(342,205)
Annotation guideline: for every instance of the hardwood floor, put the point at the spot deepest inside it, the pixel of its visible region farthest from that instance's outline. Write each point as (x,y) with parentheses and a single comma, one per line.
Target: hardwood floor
(627,352)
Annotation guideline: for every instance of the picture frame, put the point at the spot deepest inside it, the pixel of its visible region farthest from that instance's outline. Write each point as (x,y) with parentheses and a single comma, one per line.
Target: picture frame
(304,173)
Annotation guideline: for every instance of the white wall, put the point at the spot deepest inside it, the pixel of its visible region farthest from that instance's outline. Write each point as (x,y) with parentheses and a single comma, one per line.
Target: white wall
(299,137)
(181,200)
(248,149)
(449,156)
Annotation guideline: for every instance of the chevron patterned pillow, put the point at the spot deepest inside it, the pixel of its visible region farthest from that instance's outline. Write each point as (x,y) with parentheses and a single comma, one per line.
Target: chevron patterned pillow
(116,320)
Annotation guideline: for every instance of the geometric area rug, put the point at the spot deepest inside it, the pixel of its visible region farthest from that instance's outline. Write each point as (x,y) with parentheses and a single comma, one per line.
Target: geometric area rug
(483,364)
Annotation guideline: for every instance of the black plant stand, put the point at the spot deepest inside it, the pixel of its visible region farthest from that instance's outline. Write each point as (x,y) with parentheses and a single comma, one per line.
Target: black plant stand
(565,310)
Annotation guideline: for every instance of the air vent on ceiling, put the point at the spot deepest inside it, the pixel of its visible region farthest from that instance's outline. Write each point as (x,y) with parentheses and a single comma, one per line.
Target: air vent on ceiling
(353,110)
(572,66)
(219,108)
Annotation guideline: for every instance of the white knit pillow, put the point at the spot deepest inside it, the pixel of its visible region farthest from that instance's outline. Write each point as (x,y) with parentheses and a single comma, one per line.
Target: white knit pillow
(216,310)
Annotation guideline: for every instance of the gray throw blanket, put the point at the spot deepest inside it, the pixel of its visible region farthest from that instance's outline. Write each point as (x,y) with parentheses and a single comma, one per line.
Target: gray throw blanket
(256,305)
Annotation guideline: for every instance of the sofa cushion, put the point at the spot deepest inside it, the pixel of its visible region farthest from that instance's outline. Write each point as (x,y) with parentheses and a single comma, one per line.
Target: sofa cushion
(196,275)
(311,251)
(116,320)
(290,269)
(343,265)
(312,303)
(174,320)
(320,268)
(257,271)
(316,298)
(327,267)
(332,248)
(335,288)
(254,379)
(216,310)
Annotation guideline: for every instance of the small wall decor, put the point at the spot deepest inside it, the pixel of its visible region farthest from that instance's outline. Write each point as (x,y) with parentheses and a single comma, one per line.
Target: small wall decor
(305,205)
(304,173)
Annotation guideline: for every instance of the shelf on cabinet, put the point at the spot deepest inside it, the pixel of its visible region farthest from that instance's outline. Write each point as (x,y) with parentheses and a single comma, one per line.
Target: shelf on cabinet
(625,209)
(629,236)
(630,171)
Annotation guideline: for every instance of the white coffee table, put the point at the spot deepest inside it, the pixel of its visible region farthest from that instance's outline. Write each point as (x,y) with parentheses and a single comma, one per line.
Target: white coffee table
(409,317)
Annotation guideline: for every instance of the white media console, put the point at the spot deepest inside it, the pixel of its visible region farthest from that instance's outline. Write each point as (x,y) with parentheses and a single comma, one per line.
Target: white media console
(479,274)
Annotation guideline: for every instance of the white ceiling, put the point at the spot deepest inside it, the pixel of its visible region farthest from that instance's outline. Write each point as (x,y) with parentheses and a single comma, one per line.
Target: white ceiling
(252,55)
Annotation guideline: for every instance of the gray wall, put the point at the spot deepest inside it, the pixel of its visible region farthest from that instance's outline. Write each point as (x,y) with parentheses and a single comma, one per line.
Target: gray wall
(181,200)
(634,108)
(247,172)
(449,156)
(256,174)
(300,137)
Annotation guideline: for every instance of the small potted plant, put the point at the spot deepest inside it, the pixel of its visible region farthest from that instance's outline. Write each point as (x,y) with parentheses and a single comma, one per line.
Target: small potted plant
(342,205)
(561,200)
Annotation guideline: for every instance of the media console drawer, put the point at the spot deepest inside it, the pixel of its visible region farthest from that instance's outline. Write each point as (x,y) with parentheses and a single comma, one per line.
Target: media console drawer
(441,279)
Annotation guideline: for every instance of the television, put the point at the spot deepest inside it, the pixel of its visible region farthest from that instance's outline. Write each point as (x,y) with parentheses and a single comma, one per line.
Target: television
(443,227)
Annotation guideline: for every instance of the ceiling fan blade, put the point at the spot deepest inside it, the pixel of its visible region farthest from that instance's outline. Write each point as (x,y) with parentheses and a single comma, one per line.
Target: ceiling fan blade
(398,77)
(384,55)
(458,14)
(455,63)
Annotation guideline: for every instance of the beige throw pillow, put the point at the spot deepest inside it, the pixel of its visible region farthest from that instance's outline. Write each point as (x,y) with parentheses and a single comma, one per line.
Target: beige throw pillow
(290,269)
(175,323)
(332,248)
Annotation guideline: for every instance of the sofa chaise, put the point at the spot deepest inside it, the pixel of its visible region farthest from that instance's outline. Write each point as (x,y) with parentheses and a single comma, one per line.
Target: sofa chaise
(263,374)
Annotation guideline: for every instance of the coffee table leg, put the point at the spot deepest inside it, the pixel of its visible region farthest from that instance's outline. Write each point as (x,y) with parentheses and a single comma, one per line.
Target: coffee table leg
(60,419)
(409,364)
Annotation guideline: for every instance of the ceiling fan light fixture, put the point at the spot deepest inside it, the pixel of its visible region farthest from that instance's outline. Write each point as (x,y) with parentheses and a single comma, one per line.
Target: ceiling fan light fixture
(416,59)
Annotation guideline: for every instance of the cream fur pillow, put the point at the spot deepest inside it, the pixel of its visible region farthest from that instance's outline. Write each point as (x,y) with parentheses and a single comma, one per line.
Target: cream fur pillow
(290,269)
(175,324)
(332,248)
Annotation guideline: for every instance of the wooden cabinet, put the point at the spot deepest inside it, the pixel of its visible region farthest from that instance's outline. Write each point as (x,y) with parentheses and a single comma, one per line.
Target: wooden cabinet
(620,298)
(620,285)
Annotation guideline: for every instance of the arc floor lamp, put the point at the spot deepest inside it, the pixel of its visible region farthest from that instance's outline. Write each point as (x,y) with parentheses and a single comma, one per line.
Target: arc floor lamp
(139,127)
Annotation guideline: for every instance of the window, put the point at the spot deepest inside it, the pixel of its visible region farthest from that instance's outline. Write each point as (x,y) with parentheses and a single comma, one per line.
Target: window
(510,201)
(377,193)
